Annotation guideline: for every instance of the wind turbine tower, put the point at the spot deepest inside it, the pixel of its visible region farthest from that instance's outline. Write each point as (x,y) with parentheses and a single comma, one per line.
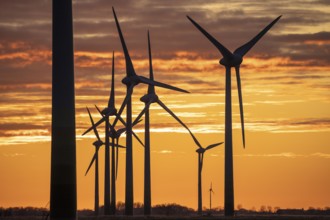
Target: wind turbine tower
(63,191)
(211,191)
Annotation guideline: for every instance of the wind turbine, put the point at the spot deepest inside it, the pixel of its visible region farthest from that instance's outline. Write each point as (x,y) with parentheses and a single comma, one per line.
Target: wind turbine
(97,144)
(148,99)
(211,191)
(63,182)
(230,60)
(201,152)
(131,80)
(115,135)
(108,111)
(110,132)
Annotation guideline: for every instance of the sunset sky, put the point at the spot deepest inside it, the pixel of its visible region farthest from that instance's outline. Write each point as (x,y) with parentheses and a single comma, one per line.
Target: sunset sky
(285,83)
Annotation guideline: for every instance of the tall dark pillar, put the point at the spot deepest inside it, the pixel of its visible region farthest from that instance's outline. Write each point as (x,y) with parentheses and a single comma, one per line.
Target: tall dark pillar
(107,169)
(113,178)
(199,209)
(129,194)
(63,193)
(229,179)
(147,172)
(96,193)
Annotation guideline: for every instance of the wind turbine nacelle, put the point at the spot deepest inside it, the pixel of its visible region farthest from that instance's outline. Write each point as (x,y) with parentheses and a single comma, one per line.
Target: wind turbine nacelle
(131,80)
(109,111)
(200,150)
(149,98)
(98,143)
(231,62)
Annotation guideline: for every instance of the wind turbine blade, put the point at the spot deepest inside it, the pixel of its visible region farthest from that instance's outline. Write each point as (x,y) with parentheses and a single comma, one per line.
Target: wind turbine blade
(129,65)
(138,139)
(94,128)
(151,88)
(121,119)
(92,161)
(159,84)
(98,110)
(120,131)
(178,119)
(119,146)
(95,125)
(150,59)
(240,102)
(141,113)
(123,105)
(241,51)
(137,122)
(223,50)
(111,103)
(213,145)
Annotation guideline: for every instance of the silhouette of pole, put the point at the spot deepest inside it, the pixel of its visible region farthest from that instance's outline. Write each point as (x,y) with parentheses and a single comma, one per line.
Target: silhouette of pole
(211,191)
(229,179)
(210,200)
(107,169)
(113,177)
(147,175)
(111,107)
(96,201)
(129,197)
(63,192)
(199,184)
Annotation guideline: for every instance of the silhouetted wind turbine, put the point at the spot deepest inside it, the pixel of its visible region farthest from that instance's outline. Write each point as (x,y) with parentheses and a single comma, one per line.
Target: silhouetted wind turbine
(115,135)
(110,110)
(131,80)
(110,132)
(211,191)
(148,99)
(232,60)
(201,152)
(97,144)
(63,187)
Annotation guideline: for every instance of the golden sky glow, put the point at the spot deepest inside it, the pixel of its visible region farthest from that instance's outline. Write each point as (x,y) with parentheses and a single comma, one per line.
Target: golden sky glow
(285,83)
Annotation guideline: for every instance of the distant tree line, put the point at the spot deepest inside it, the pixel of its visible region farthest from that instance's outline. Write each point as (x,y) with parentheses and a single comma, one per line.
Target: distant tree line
(170,209)
(23,211)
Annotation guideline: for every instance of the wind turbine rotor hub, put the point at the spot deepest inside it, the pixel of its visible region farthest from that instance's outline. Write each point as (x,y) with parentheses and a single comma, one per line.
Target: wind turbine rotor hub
(127,81)
(109,111)
(231,62)
(98,143)
(149,98)
(200,150)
